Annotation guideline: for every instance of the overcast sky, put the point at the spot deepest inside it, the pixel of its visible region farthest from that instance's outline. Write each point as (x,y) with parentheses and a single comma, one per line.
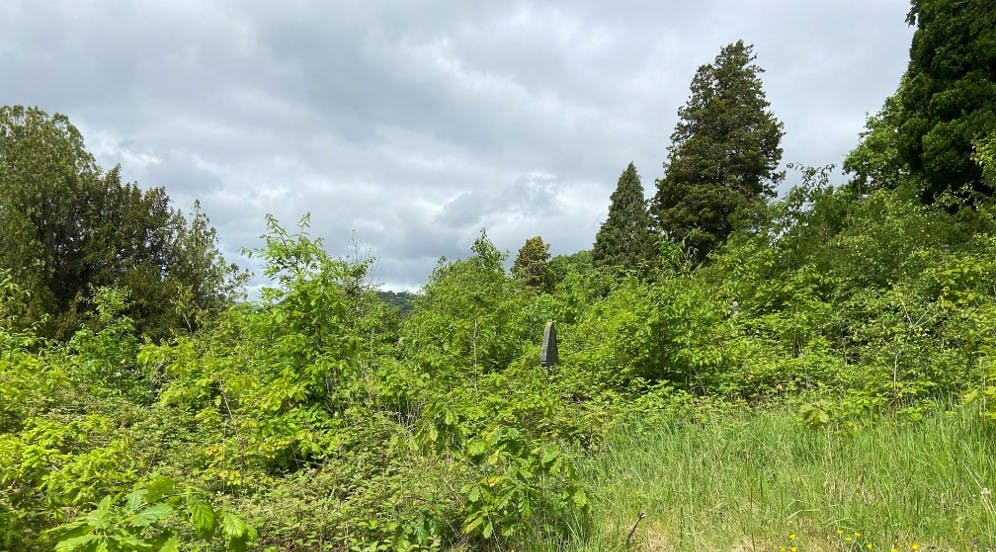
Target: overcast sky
(408,126)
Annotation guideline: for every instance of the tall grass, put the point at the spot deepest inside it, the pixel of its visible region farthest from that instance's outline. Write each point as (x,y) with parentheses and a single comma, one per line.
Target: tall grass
(763,481)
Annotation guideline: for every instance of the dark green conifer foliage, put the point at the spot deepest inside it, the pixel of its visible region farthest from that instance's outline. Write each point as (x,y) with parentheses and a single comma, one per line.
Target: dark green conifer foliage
(723,155)
(624,239)
(532,265)
(68,227)
(948,95)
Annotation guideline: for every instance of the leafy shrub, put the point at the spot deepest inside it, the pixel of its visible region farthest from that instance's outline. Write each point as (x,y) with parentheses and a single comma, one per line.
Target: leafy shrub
(469,318)
(139,521)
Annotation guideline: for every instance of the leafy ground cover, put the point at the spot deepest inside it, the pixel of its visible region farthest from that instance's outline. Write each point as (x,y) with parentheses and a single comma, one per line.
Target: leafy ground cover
(847,390)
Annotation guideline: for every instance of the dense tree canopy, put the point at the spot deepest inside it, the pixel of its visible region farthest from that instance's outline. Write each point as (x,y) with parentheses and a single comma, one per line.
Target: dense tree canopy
(724,152)
(624,240)
(948,95)
(466,319)
(68,227)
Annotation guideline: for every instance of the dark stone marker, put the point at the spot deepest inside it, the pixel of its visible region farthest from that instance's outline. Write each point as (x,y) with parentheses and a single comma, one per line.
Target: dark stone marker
(548,355)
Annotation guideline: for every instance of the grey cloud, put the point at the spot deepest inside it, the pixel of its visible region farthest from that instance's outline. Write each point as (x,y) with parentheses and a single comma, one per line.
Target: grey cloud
(409,126)
(532,195)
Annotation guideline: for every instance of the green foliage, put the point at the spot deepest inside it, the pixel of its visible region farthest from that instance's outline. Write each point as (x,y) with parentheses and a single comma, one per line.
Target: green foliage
(17,327)
(985,156)
(512,478)
(728,400)
(69,227)
(519,477)
(313,417)
(276,406)
(641,333)
(401,300)
(624,239)
(948,93)
(106,347)
(468,319)
(138,522)
(532,265)
(875,161)
(724,152)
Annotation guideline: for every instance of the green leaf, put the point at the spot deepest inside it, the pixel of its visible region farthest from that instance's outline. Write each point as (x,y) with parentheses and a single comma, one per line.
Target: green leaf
(580,499)
(473,524)
(75,543)
(136,499)
(171,545)
(101,517)
(202,516)
(151,515)
(160,487)
(549,456)
(231,526)
(130,542)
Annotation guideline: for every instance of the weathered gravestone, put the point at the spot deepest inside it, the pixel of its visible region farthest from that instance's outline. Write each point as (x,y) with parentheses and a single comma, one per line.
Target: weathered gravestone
(548,355)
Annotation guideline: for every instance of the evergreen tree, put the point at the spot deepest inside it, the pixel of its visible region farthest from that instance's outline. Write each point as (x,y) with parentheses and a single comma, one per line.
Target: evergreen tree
(68,227)
(532,265)
(624,240)
(723,155)
(948,95)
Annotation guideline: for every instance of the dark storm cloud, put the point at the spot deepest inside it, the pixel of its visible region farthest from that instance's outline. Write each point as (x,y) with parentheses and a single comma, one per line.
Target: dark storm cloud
(406,127)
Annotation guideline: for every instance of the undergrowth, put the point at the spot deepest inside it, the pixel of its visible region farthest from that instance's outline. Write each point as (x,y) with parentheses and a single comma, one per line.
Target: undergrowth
(825,376)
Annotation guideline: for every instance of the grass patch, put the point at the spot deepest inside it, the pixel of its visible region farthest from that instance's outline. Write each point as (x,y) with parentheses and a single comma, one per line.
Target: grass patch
(762,481)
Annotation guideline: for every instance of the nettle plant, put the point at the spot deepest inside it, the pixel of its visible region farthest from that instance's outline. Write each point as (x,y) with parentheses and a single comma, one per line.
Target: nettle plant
(145,520)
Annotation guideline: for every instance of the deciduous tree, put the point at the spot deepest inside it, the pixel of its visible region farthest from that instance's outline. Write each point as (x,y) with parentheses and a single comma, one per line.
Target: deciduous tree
(875,162)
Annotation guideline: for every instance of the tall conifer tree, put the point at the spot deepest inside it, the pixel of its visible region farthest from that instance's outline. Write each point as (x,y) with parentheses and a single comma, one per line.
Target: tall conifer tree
(624,240)
(723,155)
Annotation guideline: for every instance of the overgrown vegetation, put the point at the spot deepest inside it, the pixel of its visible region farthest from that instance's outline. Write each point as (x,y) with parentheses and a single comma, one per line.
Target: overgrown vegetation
(822,378)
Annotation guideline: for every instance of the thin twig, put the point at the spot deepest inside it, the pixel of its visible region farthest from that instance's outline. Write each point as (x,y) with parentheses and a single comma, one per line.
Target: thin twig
(633,529)
(238,435)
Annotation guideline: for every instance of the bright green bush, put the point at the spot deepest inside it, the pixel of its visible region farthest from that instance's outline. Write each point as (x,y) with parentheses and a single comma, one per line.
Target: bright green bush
(469,318)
